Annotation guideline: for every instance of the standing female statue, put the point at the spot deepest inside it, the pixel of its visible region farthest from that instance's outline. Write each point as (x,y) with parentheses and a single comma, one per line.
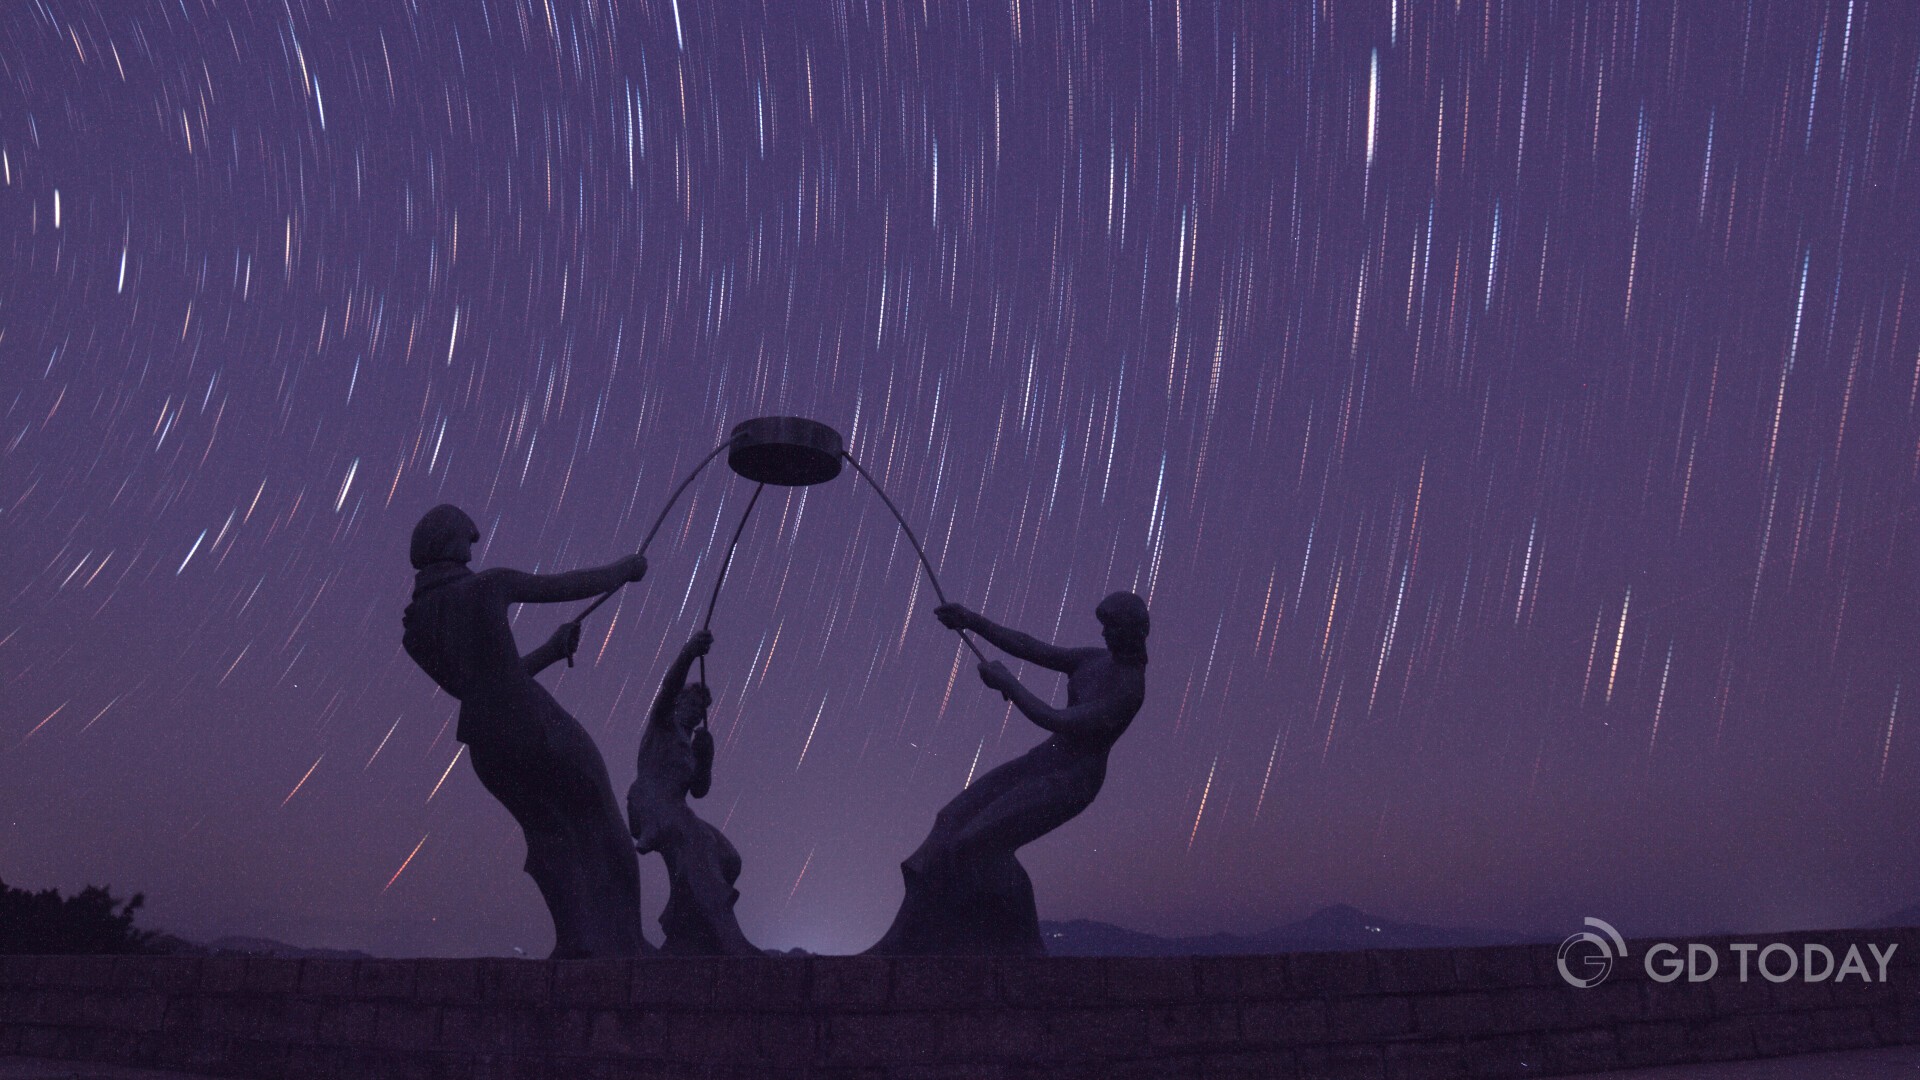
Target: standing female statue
(965,890)
(533,757)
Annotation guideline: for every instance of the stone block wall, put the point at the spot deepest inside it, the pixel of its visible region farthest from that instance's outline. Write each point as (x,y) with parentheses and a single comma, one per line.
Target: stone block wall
(1383,1015)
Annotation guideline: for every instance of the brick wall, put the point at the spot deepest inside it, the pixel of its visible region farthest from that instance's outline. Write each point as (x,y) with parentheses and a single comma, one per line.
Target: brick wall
(1492,1012)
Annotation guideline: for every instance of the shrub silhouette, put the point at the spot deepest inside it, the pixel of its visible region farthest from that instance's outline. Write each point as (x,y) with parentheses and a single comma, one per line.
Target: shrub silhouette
(46,922)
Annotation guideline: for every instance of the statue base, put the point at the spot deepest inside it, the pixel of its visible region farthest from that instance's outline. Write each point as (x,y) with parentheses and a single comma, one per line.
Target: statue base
(984,908)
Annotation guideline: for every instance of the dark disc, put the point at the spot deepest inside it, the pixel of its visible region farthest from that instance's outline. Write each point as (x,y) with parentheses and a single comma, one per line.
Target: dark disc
(788,451)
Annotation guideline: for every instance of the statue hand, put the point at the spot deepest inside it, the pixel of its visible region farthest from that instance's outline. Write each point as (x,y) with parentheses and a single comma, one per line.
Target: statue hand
(698,644)
(955,616)
(634,567)
(996,675)
(565,641)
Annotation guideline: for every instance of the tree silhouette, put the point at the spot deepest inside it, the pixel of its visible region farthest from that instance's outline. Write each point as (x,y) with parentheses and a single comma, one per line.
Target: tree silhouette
(45,922)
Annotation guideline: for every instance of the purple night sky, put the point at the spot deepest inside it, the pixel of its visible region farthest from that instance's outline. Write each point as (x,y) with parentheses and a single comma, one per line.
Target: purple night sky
(1507,409)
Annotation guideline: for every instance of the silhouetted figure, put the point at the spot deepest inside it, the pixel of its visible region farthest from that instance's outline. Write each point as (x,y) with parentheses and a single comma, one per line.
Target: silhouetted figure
(533,757)
(966,892)
(676,760)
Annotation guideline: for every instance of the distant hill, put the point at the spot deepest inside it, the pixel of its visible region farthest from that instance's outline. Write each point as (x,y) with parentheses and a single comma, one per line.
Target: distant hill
(252,946)
(1908,916)
(1333,929)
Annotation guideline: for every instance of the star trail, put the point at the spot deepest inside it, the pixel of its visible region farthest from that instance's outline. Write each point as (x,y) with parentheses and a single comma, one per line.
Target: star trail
(1507,410)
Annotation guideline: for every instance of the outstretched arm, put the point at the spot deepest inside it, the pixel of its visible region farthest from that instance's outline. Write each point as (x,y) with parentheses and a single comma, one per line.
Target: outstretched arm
(1086,718)
(560,646)
(676,678)
(1012,642)
(524,588)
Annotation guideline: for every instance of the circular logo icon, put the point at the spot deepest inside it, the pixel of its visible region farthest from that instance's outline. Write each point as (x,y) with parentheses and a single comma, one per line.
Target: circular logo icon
(1586,959)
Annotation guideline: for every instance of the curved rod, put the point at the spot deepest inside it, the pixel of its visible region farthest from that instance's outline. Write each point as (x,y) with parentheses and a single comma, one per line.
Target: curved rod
(657,522)
(915,541)
(724,564)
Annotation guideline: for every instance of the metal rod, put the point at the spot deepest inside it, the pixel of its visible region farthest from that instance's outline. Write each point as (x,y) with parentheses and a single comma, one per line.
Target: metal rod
(724,564)
(657,522)
(915,541)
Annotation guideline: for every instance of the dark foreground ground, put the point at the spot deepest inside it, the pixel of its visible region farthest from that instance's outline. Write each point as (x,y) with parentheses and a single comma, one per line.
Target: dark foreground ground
(1883,1063)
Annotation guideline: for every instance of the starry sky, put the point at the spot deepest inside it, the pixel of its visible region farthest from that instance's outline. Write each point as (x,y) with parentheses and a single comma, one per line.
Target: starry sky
(1508,411)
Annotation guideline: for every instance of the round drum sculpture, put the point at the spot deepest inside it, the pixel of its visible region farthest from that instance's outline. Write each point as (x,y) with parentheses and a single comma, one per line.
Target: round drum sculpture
(786,451)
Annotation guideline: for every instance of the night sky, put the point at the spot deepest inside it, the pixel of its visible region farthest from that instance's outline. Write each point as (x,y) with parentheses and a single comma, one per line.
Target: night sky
(1507,409)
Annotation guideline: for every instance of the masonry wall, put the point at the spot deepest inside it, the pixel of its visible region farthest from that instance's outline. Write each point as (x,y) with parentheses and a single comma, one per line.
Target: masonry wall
(1490,1012)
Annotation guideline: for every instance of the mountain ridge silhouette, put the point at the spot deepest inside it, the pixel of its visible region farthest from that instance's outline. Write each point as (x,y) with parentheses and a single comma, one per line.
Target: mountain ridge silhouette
(1336,928)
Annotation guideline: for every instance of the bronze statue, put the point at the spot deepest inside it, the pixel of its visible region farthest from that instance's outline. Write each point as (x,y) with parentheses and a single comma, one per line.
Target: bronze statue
(533,757)
(966,892)
(676,760)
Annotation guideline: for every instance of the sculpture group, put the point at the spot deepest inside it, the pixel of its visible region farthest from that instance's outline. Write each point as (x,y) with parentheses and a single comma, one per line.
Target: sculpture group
(966,893)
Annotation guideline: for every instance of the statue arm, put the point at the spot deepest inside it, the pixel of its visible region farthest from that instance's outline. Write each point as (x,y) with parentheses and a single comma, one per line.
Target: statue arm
(1081,719)
(676,678)
(702,763)
(521,587)
(1086,718)
(542,658)
(661,715)
(1024,646)
(561,646)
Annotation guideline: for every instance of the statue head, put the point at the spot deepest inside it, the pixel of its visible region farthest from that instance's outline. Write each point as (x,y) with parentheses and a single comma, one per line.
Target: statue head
(690,706)
(445,534)
(1124,623)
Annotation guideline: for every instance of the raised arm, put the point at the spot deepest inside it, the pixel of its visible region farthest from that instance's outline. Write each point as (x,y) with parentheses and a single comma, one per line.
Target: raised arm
(521,587)
(676,678)
(1012,642)
(1095,717)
